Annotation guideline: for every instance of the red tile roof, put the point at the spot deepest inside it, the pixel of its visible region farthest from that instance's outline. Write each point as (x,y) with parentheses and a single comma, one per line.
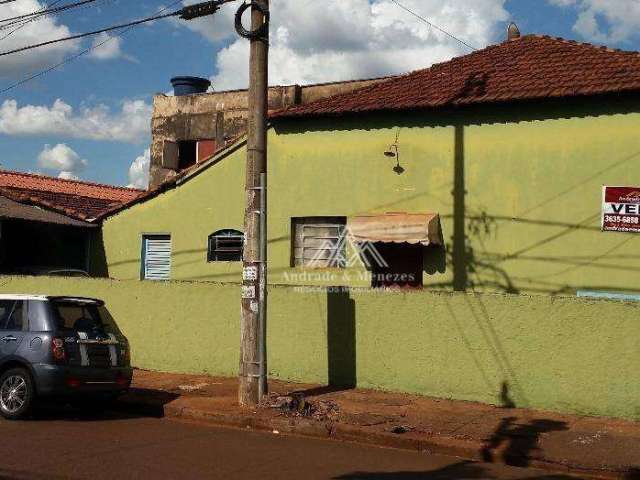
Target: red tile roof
(80,200)
(528,68)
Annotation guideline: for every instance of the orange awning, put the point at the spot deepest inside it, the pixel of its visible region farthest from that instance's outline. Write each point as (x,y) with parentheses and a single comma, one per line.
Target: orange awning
(414,228)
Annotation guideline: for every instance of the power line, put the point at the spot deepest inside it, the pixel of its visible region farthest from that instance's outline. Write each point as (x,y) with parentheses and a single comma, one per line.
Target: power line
(82,53)
(89,34)
(433,25)
(26,22)
(47,11)
(6,1)
(187,13)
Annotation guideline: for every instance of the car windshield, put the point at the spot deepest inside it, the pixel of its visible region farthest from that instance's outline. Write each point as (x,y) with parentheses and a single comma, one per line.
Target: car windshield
(83,317)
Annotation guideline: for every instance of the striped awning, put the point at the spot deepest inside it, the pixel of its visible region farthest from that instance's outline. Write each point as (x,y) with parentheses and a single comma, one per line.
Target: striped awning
(412,228)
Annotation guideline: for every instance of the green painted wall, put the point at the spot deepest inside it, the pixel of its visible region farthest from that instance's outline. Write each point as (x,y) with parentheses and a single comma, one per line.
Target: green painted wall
(208,203)
(532,176)
(564,354)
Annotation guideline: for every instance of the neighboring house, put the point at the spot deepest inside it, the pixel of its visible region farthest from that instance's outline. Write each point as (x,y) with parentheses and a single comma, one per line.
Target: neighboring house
(487,170)
(187,129)
(50,224)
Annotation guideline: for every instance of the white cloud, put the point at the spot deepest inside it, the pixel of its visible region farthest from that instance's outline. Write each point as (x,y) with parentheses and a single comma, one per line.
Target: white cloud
(314,41)
(62,159)
(139,171)
(106,47)
(131,124)
(68,176)
(41,30)
(214,27)
(605,21)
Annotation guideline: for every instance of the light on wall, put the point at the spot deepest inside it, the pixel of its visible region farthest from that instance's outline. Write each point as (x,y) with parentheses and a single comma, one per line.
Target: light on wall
(394,152)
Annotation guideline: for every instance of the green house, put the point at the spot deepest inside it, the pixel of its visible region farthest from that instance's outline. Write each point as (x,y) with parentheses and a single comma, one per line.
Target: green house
(483,173)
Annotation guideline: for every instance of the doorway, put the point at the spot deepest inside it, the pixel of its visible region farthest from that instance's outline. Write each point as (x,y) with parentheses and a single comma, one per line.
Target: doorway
(404,266)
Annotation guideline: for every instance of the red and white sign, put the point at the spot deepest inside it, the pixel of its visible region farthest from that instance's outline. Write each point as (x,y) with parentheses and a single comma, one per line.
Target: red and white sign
(621,209)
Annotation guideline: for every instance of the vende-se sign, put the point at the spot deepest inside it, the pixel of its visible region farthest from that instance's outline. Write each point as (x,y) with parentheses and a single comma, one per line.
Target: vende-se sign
(621,209)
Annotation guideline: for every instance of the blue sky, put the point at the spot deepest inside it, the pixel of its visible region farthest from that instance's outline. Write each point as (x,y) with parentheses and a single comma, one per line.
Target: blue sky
(93,113)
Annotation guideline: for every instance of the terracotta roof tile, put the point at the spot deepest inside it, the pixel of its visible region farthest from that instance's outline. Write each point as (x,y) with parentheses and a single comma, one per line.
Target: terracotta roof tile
(532,67)
(81,200)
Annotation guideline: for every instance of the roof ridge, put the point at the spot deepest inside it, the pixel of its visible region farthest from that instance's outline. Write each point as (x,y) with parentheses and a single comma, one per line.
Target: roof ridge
(530,67)
(68,181)
(393,78)
(580,43)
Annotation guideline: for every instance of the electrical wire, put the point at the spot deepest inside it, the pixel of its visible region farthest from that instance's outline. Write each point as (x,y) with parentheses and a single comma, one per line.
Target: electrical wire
(433,25)
(70,59)
(98,45)
(46,11)
(89,34)
(6,1)
(187,13)
(26,22)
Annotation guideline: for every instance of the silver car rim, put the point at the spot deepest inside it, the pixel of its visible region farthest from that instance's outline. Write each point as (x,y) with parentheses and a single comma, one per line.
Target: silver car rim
(13,394)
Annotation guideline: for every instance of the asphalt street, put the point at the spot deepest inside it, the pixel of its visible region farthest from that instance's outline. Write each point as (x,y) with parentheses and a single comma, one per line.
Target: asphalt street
(70,445)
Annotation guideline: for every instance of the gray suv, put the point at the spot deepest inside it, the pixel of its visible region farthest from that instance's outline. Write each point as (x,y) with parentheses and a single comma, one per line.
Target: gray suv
(59,347)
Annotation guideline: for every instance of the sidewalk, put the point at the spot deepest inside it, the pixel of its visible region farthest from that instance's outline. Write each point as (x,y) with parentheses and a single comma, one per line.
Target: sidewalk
(585,446)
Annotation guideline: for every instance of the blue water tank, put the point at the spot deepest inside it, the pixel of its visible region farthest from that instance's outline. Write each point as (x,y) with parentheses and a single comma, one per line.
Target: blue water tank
(189,85)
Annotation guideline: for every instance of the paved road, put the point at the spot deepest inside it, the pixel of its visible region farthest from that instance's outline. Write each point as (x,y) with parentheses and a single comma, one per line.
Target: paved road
(66,444)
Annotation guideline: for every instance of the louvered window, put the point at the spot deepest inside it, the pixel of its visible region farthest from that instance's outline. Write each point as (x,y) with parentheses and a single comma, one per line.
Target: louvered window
(225,246)
(156,257)
(319,242)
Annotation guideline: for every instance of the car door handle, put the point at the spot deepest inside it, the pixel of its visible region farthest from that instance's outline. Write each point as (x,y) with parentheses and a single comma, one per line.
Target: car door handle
(9,338)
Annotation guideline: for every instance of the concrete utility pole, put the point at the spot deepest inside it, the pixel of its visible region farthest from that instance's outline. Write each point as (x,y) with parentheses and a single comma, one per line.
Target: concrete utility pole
(253,364)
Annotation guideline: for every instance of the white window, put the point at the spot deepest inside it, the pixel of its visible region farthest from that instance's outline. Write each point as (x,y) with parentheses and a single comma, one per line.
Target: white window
(156,257)
(318,242)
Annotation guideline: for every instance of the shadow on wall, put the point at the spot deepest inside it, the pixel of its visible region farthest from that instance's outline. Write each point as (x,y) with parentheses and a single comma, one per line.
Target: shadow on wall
(99,265)
(341,338)
(341,343)
(475,268)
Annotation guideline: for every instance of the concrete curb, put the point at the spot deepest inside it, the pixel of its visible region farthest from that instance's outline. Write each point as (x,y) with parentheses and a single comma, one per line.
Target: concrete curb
(462,448)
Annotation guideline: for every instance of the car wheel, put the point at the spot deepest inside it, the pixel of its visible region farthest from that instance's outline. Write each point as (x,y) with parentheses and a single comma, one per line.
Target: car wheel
(16,393)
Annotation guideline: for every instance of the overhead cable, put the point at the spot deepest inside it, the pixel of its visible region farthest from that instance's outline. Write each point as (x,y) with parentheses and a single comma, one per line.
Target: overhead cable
(71,58)
(433,25)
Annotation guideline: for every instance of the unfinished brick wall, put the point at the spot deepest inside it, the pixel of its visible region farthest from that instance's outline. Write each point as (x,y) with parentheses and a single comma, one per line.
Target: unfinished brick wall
(221,116)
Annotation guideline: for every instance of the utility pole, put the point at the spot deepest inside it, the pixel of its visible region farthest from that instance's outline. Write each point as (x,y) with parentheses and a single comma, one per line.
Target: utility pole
(253,364)
(253,326)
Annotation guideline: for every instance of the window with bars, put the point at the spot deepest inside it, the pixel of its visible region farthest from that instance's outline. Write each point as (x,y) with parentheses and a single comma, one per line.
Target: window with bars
(156,257)
(318,242)
(225,246)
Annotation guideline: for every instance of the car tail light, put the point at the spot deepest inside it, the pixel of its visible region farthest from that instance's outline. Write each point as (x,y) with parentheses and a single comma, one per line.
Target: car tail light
(57,350)
(73,382)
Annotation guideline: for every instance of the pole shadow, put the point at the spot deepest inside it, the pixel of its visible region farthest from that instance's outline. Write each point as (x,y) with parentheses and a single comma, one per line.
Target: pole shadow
(459,253)
(341,338)
(460,470)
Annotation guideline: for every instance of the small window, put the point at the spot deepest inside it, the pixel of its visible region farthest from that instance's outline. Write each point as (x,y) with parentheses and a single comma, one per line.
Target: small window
(11,317)
(318,242)
(187,154)
(156,257)
(225,246)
